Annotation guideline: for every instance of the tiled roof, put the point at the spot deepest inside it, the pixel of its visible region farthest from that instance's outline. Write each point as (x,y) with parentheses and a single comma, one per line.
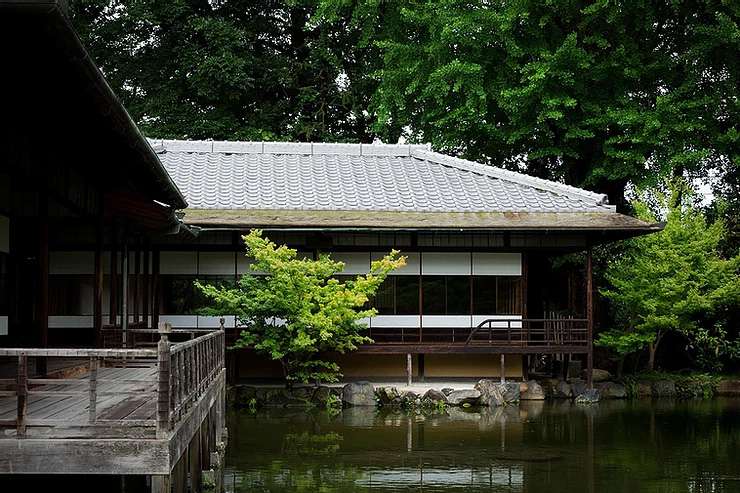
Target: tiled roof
(356,177)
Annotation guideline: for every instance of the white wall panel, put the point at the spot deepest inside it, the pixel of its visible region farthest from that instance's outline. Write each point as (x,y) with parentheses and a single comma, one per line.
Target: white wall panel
(497,264)
(177,263)
(70,322)
(412,267)
(3,325)
(445,321)
(242,264)
(477,319)
(208,322)
(217,263)
(354,262)
(71,263)
(395,321)
(4,234)
(443,264)
(180,321)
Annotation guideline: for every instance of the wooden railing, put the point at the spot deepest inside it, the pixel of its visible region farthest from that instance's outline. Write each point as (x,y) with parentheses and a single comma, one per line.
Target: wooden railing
(142,336)
(493,332)
(186,370)
(180,373)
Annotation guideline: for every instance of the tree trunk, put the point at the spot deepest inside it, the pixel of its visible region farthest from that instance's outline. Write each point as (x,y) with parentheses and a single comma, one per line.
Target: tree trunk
(652,348)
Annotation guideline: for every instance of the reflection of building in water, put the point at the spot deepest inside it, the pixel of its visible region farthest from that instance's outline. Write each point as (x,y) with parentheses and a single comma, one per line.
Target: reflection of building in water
(495,475)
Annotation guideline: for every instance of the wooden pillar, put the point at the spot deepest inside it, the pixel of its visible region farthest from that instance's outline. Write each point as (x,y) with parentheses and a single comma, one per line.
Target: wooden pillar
(113,316)
(503,368)
(161,483)
(409,369)
(523,286)
(124,292)
(590,318)
(98,284)
(194,461)
(42,309)
(146,292)
(155,288)
(137,282)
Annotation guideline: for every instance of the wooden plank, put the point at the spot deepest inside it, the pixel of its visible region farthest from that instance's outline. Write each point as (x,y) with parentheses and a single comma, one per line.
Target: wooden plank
(22,395)
(84,456)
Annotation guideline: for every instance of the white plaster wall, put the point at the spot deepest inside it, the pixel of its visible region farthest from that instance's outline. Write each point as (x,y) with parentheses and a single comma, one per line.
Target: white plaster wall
(217,263)
(445,264)
(354,263)
(178,263)
(391,321)
(497,264)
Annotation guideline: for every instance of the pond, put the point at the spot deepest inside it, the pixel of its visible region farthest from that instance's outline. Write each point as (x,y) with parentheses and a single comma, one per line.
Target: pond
(615,446)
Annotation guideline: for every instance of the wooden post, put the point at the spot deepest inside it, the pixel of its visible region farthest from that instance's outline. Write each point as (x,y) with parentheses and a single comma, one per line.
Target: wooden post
(113,316)
(22,393)
(155,288)
(503,368)
(146,293)
(163,389)
(590,318)
(161,483)
(98,284)
(93,389)
(124,292)
(42,309)
(135,288)
(409,369)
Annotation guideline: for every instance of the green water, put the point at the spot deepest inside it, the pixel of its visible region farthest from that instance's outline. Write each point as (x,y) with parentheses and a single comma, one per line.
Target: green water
(616,446)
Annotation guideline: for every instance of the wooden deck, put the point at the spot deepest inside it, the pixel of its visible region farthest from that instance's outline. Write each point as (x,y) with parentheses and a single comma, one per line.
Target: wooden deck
(126,396)
(127,411)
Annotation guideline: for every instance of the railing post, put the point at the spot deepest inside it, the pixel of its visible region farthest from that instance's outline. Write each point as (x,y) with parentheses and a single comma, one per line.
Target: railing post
(92,408)
(163,388)
(22,392)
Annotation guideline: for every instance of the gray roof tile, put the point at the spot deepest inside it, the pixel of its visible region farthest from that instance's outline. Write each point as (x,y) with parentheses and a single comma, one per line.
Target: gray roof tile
(305,176)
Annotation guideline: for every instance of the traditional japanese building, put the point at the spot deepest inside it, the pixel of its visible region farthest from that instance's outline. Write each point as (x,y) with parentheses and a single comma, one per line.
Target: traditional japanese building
(480,242)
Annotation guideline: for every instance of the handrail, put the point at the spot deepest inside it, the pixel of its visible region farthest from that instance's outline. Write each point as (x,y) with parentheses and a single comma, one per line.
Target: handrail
(185,371)
(79,352)
(525,329)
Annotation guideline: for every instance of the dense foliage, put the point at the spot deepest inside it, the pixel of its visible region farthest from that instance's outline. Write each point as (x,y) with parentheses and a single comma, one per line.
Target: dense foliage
(231,69)
(597,94)
(294,310)
(675,281)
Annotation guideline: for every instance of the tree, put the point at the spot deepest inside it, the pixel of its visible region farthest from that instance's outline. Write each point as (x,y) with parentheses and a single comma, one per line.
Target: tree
(675,280)
(294,310)
(232,69)
(596,94)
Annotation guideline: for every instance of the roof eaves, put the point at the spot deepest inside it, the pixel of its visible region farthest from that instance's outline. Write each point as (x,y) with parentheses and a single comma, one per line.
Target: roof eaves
(595,199)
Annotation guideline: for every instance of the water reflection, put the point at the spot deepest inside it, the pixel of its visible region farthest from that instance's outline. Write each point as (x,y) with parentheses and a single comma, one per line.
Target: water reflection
(616,446)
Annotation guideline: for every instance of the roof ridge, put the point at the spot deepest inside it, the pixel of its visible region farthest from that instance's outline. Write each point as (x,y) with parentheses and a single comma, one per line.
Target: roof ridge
(513,176)
(272,147)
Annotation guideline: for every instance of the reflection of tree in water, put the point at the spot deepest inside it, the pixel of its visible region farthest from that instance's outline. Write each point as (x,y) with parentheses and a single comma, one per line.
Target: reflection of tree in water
(280,476)
(312,444)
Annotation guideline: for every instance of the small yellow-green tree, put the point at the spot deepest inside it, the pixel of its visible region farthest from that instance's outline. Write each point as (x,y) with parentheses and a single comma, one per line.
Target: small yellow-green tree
(294,310)
(674,281)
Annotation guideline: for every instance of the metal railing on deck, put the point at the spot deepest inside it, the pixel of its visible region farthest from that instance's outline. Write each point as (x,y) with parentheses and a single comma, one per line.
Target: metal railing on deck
(181,373)
(493,332)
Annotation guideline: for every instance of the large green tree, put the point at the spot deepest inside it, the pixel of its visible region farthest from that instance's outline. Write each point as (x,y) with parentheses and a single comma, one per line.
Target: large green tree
(232,69)
(596,93)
